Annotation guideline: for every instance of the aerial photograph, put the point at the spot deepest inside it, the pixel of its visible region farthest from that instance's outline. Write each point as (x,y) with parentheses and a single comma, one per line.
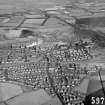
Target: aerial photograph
(52,52)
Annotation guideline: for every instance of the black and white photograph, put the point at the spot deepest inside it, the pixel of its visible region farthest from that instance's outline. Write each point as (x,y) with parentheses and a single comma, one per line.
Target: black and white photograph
(52,52)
